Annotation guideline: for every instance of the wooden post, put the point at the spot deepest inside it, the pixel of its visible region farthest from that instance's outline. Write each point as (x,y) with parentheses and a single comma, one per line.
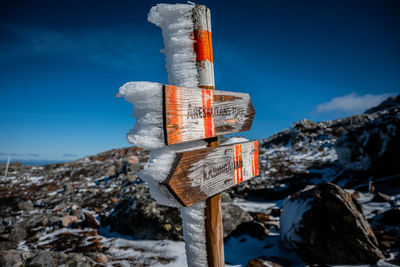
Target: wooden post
(205,67)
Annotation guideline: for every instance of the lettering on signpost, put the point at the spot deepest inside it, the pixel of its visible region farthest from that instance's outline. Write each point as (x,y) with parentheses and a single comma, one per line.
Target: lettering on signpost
(193,113)
(197,175)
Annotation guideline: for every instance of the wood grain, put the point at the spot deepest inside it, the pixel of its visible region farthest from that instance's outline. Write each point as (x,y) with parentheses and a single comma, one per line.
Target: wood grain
(193,113)
(200,174)
(214,232)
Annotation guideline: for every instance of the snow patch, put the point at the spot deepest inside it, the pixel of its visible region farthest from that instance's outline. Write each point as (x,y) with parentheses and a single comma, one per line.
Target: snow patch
(292,214)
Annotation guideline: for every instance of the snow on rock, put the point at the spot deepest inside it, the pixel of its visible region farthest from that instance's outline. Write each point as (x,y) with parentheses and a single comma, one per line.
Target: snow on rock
(326,224)
(373,145)
(291,216)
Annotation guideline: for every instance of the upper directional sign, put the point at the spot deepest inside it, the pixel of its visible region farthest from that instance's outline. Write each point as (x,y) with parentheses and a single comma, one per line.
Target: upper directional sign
(199,174)
(193,113)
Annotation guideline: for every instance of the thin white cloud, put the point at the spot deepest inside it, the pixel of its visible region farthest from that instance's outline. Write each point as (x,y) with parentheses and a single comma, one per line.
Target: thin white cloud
(119,46)
(352,103)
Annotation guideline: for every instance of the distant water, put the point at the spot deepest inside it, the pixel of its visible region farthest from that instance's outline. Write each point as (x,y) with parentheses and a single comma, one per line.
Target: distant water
(33,162)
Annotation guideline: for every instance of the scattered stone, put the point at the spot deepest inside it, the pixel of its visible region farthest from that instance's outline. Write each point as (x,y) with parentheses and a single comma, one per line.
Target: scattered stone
(50,258)
(18,234)
(141,217)
(254,229)
(66,220)
(68,188)
(25,206)
(90,221)
(325,224)
(264,262)
(380,197)
(232,215)
(13,258)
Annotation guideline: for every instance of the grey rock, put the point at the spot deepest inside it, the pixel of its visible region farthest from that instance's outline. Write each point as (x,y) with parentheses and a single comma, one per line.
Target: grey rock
(18,234)
(268,262)
(141,217)
(232,215)
(25,206)
(68,188)
(254,229)
(12,258)
(50,259)
(380,197)
(332,228)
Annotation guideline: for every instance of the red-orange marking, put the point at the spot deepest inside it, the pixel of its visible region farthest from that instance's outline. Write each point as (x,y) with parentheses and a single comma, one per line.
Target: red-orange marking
(256,170)
(203,45)
(207,99)
(240,162)
(174,119)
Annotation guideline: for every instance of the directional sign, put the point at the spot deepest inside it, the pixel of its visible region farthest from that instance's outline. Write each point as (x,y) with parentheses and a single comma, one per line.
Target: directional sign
(193,113)
(199,174)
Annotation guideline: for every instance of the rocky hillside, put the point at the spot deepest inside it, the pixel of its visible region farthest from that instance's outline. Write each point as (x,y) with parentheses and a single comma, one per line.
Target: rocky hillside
(96,212)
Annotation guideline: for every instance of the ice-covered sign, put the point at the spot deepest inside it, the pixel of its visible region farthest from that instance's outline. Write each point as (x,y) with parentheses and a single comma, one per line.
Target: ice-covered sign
(200,174)
(179,114)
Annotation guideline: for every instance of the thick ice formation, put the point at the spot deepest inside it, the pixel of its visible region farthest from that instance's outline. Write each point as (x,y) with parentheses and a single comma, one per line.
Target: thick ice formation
(177,28)
(194,234)
(157,169)
(146,98)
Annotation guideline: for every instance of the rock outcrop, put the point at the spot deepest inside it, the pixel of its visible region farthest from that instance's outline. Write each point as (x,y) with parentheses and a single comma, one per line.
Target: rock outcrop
(325,224)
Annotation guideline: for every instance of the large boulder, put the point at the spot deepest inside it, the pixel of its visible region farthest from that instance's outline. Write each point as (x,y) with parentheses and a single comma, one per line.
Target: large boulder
(141,217)
(325,224)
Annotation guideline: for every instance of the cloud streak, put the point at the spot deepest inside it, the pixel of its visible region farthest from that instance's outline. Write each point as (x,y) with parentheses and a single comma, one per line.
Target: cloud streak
(67,155)
(352,103)
(119,47)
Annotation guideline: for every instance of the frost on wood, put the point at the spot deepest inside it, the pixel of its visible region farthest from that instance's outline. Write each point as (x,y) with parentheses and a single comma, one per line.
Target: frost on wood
(158,168)
(146,98)
(193,218)
(177,28)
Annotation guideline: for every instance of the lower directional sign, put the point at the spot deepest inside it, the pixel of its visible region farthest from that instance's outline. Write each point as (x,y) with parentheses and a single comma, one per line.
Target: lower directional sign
(199,174)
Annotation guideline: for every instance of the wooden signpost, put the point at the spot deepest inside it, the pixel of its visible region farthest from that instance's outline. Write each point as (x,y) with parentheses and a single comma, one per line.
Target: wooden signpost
(200,174)
(193,114)
(204,113)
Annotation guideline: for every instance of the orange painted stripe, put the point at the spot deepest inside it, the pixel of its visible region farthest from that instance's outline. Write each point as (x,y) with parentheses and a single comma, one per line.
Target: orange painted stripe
(203,45)
(208,103)
(234,165)
(256,170)
(240,162)
(174,118)
(237,161)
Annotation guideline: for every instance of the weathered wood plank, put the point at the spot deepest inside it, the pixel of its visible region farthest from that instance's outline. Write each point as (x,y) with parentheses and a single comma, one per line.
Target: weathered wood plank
(193,113)
(203,173)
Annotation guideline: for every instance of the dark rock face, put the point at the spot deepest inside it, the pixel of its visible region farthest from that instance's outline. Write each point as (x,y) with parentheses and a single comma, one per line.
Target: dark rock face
(330,229)
(232,215)
(141,217)
(372,147)
(254,229)
(391,102)
(267,262)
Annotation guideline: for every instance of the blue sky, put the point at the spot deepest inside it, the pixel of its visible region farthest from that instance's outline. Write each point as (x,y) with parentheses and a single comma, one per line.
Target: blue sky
(62,63)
